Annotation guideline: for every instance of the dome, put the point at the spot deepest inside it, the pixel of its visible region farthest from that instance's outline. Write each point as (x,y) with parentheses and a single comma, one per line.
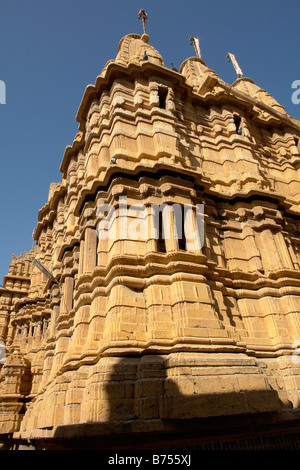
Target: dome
(247,85)
(199,76)
(132,48)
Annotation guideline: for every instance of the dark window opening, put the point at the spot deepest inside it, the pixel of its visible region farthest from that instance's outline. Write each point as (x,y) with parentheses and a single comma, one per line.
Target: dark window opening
(162,95)
(181,234)
(182,242)
(296,141)
(161,243)
(237,121)
(137,289)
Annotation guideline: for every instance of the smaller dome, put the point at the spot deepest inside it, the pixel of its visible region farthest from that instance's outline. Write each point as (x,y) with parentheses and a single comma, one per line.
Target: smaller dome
(198,74)
(132,49)
(247,85)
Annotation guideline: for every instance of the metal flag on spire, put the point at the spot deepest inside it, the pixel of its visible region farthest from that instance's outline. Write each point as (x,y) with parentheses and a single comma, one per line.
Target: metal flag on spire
(232,59)
(144,17)
(195,43)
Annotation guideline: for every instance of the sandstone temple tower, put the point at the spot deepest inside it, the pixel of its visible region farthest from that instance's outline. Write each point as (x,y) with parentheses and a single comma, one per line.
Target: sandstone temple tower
(145,342)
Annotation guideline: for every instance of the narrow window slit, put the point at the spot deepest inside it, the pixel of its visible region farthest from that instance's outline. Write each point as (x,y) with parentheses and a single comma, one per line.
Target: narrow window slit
(162,95)
(180,229)
(161,244)
(237,121)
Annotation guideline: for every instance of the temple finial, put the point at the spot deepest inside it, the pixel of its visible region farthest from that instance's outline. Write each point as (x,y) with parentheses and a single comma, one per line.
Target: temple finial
(195,43)
(231,58)
(144,17)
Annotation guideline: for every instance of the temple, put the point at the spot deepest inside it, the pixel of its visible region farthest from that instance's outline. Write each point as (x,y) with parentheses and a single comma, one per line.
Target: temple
(133,340)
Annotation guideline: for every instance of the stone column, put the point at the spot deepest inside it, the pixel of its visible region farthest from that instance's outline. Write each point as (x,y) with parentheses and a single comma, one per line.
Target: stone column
(4,316)
(45,327)
(16,385)
(68,292)
(283,251)
(81,258)
(293,253)
(269,250)
(169,230)
(153,232)
(252,250)
(154,98)
(194,228)
(38,334)
(90,250)
(54,319)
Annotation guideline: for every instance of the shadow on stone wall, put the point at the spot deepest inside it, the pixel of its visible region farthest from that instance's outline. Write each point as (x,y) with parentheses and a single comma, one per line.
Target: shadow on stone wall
(146,408)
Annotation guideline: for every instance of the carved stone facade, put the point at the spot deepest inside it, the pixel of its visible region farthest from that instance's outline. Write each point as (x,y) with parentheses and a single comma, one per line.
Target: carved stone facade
(147,337)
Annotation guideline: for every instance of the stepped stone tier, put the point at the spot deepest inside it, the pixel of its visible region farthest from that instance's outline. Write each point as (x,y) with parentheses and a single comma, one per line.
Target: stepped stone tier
(143,342)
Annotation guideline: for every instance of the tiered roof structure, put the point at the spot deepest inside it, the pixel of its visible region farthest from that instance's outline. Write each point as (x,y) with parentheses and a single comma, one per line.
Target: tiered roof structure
(144,338)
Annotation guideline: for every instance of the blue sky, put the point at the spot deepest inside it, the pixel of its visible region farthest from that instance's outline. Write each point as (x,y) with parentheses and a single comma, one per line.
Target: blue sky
(51,50)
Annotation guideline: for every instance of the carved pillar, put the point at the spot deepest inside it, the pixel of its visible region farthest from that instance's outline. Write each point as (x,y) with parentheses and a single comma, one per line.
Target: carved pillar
(90,250)
(154,99)
(81,258)
(38,332)
(5,311)
(54,319)
(170,233)
(252,250)
(16,386)
(67,298)
(268,250)
(283,251)
(194,228)
(293,253)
